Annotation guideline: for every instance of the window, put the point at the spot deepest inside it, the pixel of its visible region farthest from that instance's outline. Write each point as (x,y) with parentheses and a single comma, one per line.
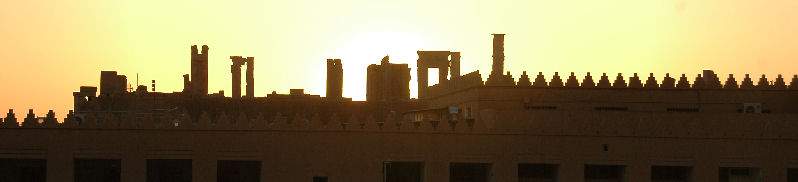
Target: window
(537,172)
(605,173)
(238,170)
(433,80)
(97,170)
(403,171)
(739,174)
(792,175)
(168,170)
(470,172)
(27,170)
(670,173)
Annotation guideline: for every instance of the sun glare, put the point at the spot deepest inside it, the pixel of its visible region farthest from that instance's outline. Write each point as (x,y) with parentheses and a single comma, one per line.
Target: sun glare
(369,48)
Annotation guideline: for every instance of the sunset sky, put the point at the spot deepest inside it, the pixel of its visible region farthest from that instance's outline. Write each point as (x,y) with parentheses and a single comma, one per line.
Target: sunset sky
(50,48)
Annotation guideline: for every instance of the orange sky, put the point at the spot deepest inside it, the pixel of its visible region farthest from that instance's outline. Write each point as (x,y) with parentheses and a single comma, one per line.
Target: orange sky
(50,48)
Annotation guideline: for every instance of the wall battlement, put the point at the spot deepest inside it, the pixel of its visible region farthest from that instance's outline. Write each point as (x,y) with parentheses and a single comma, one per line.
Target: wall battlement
(680,125)
(667,82)
(621,82)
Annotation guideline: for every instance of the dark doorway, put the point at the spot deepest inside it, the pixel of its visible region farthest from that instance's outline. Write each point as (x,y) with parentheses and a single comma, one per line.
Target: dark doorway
(792,175)
(537,172)
(23,170)
(605,173)
(238,171)
(98,170)
(739,174)
(403,171)
(670,173)
(168,170)
(470,172)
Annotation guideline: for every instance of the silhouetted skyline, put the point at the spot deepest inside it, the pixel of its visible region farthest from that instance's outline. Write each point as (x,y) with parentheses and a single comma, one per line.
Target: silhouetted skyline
(149,38)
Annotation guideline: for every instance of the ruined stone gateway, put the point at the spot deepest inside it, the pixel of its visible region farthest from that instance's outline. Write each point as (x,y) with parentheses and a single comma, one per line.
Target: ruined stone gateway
(461,129)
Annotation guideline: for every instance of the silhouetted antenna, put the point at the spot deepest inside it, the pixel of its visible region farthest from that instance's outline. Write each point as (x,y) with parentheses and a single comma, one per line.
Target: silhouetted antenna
(137,79)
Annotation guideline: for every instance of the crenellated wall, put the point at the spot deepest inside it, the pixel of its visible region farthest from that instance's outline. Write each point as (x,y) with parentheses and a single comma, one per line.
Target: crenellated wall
(224,121)
(508,121)
(667,82)
(619,82)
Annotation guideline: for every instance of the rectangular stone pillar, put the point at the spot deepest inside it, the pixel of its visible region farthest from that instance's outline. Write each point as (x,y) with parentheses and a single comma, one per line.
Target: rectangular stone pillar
(134,166)
(250,77)
(571,170)
(235,70)
(505,169)
(638,171)
(705,171)
(335,79)
(203,166)
(454,64)
(422,82)
(60,165)
(443,72)
(437,170)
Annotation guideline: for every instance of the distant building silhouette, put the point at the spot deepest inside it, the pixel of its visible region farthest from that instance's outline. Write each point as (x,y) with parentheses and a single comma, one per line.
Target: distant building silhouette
(112,84)
(199,71)
(388,82)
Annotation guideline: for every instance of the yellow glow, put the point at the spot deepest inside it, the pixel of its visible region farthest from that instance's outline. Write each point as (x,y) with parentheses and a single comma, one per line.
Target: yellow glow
(50,48)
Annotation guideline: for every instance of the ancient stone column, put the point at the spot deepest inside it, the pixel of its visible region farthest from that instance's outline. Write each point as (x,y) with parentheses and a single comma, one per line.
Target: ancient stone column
(250,77)
(235,70)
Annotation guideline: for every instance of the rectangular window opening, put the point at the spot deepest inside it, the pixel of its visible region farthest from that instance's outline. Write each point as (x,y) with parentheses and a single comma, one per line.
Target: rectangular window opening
(238,170)
(537,172)
(403,171)
(739,174)
(605,173)
(470,172)
(98,170)
(433,77)
(168,170)
(33,170)
(670,173)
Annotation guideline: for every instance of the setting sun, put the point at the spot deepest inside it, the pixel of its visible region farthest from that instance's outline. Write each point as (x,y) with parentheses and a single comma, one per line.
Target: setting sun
(291,40)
